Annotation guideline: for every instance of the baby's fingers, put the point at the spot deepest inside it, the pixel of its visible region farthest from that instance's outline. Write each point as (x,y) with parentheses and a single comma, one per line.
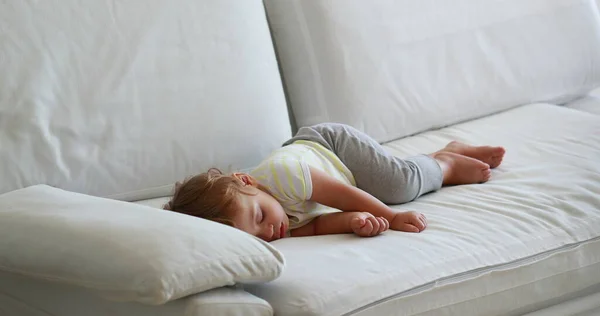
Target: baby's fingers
(418,224)
(383,224)
(406,227)
(367,229)
(376,226)
(423,220)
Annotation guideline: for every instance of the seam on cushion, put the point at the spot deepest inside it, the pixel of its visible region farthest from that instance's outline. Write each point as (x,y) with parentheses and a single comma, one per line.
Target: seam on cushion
(238,303)
(509,289)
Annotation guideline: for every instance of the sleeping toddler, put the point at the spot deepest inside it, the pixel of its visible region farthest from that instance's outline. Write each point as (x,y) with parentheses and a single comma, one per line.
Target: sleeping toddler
(330,179)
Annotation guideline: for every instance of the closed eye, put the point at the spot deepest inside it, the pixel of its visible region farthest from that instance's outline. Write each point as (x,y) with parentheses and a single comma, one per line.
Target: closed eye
(261,216)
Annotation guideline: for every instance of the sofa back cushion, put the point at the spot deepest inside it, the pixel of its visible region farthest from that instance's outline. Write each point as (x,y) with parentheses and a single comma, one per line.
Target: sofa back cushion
(397,67)
(123,98)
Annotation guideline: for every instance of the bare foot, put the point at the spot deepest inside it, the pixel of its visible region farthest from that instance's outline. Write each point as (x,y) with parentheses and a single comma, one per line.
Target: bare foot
(488,154)
(459,169)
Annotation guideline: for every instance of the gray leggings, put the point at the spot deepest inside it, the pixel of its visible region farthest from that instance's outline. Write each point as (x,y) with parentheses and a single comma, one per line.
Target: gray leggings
(390,179)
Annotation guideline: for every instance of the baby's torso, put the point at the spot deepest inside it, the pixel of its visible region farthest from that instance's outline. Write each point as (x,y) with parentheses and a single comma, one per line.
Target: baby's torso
(285,173)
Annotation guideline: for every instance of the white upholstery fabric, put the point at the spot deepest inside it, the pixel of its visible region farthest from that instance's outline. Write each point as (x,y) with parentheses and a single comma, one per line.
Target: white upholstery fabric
(123,98)
(526,237)
(393,68)
(588,103)
(28,297)
(583,306)
(511,289)
(124,251)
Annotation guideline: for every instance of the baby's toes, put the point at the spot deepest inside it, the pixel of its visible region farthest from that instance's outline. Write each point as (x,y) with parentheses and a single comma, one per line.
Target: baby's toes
(496,161)
(487,174)
(498,151)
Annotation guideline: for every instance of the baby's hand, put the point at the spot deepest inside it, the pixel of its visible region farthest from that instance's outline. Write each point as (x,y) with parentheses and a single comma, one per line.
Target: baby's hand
(366,225)
(411,222)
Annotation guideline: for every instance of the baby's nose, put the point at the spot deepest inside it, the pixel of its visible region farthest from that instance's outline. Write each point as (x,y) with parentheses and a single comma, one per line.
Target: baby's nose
(269,232)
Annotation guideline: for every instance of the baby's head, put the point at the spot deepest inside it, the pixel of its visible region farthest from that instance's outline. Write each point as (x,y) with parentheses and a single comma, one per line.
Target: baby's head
(235,199)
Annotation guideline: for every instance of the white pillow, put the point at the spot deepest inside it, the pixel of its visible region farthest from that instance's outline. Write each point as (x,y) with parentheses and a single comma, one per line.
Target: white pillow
(124,251)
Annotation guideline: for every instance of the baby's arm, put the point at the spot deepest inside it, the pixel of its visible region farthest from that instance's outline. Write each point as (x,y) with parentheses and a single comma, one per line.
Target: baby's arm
(361,223)
(327,190)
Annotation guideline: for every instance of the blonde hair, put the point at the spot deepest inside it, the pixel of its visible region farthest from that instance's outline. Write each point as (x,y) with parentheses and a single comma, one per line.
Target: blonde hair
(211,195)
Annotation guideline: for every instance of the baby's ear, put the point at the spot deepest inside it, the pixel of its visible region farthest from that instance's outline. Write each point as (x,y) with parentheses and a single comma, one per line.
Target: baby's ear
(245,178)
(177,185)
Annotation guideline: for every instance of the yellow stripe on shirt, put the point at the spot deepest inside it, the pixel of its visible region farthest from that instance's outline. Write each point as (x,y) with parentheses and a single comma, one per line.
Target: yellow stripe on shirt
(276,177)
(298,157)
(288,174)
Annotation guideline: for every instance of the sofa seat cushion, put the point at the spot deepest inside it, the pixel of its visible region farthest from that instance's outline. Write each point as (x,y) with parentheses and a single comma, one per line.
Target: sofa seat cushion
(588,103)
(528,236)
(124,251)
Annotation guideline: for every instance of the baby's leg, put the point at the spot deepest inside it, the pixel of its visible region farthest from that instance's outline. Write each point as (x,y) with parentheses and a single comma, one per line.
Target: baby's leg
(488,154)
(459,169)
(390,179)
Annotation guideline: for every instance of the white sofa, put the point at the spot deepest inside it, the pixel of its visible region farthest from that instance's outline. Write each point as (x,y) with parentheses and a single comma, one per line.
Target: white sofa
(122,99)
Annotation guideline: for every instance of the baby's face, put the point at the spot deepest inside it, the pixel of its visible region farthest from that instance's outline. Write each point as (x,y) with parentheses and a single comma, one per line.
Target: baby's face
(261,215)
